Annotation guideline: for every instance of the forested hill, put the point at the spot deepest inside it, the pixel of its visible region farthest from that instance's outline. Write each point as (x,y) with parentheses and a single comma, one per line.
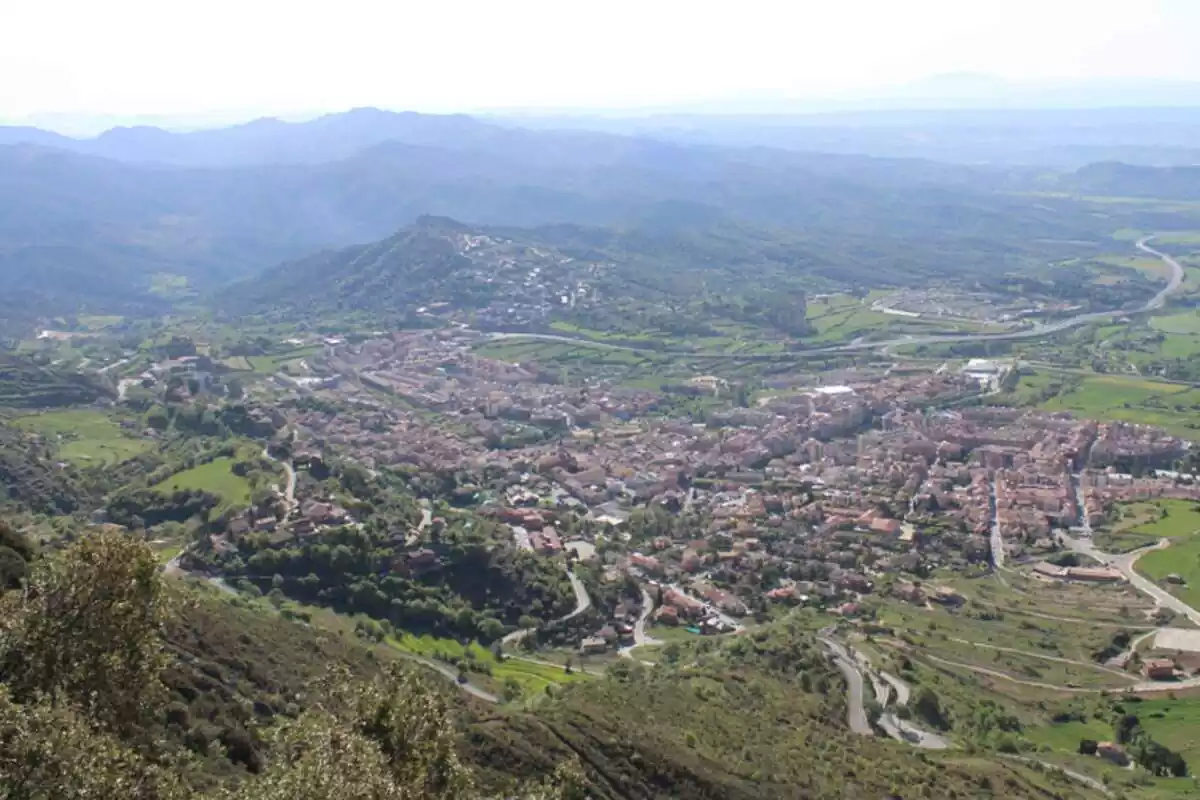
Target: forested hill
(83,232)
(688,263)
(1112,179)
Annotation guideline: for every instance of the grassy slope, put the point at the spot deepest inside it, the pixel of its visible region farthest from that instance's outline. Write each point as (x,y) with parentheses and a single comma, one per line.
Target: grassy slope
(727,725)
(85,437)
(1143,524)
(216,476)
(1183,559)
(237,667)
(532,677)
(1173,722)
(745,728)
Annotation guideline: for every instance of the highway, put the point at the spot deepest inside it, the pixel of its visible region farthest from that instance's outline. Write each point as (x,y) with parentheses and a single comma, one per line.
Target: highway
(1153,304)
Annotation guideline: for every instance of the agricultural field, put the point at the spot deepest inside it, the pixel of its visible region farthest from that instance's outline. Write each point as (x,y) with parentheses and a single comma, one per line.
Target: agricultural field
(166,284)
(282,361)
(98,322)
(86,438)
(1184,322)
(216,477)
(1110,397)
(1142,524)
(1110,607)
(1147,266)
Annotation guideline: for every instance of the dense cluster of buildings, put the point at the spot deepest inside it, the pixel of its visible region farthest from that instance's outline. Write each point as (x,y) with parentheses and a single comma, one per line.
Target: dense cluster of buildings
(821,490)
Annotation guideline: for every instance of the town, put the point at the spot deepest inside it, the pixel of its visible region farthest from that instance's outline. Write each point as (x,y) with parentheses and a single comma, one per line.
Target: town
(807,495)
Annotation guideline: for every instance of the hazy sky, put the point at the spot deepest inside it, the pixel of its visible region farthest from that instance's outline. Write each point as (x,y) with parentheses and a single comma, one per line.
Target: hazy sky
(270,56)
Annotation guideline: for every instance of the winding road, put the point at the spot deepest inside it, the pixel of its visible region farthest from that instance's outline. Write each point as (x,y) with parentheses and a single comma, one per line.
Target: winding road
(853,664)
(582,603)
(450,673)
(856,713)
(289,492)
(639,628)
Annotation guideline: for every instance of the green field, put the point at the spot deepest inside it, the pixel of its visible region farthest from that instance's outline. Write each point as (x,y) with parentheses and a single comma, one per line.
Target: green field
(1065,736)
(1186,322)
(1143,524)
(167,284)
(1174,723)
(1178,237)
(1129,399)
(216,477)
(532,677)
(98,322)
(86,438)
(1182,559)
(1149,266)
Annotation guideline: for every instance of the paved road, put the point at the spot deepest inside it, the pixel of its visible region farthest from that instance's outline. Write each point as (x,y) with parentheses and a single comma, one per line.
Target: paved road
(903,693)
(582,603)
(173,569)
(1122,659)
(852,664)
(997,541)
(1125,564)
(856,713)
(289,492)
(450,674)
(639,628)
(711,609)
(114,365)
(1152,304)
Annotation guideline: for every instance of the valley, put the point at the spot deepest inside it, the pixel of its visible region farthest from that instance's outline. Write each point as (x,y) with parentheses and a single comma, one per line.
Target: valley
(546,465)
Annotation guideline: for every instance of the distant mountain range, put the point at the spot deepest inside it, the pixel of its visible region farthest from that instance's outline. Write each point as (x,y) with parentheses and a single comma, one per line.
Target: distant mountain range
(105,223)
(964,119)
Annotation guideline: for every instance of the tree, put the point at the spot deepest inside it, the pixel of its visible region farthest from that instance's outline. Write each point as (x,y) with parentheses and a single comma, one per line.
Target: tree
(88,631)
(12,568)
(491,629)
(927,706)
(50,751)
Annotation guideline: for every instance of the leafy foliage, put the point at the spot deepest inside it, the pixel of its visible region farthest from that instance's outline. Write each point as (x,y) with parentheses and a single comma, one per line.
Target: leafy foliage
(474,578)
(87,631)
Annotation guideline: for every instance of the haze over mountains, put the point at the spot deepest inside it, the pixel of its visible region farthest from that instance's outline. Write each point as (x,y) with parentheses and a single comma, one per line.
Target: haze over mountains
(104,224)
